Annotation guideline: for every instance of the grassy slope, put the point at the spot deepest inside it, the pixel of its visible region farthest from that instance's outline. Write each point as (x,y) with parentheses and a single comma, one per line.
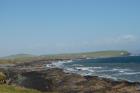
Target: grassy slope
(18,55)
(17,58)
(12,89)
(91,54)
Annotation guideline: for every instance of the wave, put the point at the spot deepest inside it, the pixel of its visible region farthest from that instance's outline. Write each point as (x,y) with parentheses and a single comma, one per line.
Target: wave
(58,64)
(122,70)
(108,76)
(129,73)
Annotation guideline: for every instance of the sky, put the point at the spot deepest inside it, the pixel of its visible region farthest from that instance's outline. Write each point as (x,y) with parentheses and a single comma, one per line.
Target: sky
(65,26)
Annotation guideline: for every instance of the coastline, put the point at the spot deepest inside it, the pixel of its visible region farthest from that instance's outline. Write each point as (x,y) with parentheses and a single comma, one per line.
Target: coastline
(28,74)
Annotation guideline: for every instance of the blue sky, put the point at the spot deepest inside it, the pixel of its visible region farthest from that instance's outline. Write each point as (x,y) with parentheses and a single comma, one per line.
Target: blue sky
(60,26)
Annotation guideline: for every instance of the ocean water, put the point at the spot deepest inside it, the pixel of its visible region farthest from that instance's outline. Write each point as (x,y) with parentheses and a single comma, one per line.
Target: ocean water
(118,68)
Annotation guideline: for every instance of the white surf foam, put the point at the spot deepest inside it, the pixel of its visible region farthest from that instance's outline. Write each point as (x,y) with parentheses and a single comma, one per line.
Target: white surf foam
(58,64)
(129,73)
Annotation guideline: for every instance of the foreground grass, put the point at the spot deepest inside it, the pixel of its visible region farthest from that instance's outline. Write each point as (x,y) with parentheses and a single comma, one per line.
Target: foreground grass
(12,89)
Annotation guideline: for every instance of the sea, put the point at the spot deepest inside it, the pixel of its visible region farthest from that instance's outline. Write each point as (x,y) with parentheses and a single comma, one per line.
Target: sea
(117,68)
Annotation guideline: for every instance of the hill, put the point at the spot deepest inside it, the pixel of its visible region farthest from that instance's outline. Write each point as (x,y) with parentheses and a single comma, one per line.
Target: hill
(18,56)
(98,54)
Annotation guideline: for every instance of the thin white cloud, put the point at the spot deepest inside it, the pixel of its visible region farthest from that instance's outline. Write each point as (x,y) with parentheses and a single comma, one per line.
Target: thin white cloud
(127,38)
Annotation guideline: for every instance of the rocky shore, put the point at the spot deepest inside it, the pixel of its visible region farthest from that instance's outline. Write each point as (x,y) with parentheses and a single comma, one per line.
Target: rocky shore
(35,75)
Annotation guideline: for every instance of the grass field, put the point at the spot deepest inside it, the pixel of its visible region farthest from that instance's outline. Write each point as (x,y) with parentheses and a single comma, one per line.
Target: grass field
(97,54)
(13,89)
